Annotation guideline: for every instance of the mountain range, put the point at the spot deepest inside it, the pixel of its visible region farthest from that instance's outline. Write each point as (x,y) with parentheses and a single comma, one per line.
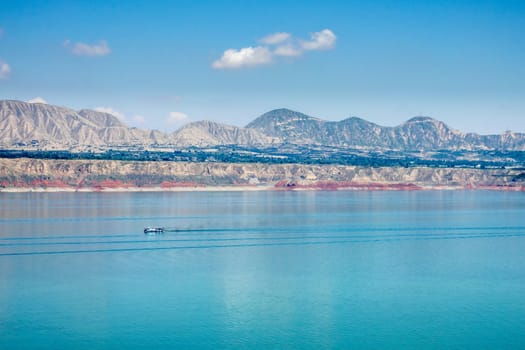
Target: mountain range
(49,126)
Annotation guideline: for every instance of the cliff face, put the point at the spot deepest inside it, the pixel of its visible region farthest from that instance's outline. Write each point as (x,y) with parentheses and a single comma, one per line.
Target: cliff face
(95,173)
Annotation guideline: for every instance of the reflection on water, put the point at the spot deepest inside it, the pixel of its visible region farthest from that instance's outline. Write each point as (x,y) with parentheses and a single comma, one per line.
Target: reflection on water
(263,270)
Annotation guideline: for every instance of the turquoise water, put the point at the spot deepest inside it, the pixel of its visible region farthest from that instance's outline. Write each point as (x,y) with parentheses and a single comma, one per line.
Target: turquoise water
(249,270)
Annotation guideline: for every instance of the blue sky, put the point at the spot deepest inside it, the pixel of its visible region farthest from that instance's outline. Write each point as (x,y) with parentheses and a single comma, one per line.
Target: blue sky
(162,64)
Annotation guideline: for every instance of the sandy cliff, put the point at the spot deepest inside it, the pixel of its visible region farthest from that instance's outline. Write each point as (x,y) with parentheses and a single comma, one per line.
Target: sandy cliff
(43,173)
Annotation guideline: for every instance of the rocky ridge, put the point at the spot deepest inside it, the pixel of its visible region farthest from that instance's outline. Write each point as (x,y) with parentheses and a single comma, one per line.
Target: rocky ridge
(47,127)
(418,133)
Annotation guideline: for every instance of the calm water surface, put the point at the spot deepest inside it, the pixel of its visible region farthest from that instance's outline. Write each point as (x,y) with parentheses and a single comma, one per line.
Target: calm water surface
(305,270)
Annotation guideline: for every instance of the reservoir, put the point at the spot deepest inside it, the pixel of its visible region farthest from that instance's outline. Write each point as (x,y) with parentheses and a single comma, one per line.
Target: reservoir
(266,269)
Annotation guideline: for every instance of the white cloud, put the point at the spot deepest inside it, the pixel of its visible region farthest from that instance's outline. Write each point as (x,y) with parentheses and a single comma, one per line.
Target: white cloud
(276,38)
(82,49)
(176,117)
(287,51)
(245,57)
(111,111)
(37,99)
(277,45)
(139,119)
(323,40)
(5,70)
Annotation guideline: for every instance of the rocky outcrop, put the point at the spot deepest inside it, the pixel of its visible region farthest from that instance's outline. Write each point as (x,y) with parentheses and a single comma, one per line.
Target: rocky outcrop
(27,173)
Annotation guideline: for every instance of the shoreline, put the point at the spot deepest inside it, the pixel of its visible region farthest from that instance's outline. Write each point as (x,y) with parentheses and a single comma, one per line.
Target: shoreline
(137,189)
(259,188)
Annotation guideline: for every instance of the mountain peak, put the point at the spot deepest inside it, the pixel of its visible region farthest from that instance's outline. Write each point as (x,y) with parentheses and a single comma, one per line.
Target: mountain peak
(355,120)
(22,106)
(210,133)
(101,118)
(281,110)
(420,119)
(278,118)
(23,123)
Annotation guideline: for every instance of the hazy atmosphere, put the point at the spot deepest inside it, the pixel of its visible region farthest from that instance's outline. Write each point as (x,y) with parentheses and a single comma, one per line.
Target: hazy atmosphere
(165,64)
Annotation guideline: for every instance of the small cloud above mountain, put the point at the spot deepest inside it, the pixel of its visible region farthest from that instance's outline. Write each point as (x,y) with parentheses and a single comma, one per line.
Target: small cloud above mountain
(279,44)
(37,99)
(5,70)
(139,119)
(176,118)
(111,111)
(82,49)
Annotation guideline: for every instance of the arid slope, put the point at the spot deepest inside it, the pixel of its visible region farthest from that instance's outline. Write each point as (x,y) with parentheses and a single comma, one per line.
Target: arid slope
(38,173)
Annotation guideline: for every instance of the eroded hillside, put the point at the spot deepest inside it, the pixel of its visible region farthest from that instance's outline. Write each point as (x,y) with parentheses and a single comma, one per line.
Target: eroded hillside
(26,173)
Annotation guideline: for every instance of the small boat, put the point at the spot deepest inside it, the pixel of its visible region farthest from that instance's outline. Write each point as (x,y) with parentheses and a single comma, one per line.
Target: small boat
(153,230)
